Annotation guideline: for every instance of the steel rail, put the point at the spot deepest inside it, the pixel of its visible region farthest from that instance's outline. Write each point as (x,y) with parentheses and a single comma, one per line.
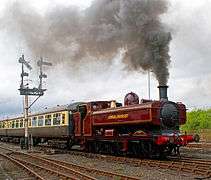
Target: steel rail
(21,161)
(67,165)
(94,170)
(53,164)
(199,145)
(195,166)
(56,173)
(22,166)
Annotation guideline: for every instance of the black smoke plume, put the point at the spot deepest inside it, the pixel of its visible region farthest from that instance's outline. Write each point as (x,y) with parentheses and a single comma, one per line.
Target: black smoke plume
(107,27)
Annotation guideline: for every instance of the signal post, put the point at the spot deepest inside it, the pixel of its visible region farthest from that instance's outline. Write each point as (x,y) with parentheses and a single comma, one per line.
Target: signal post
(26,91)
(26,114)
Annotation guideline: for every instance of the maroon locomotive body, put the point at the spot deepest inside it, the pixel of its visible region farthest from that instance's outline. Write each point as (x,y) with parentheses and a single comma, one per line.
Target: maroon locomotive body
(149,127)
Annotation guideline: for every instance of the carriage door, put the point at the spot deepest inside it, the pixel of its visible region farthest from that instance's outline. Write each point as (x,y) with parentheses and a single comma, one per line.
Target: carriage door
(83,112)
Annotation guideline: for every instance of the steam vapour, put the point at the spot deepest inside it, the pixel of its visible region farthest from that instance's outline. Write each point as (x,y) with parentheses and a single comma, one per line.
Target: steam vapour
(100,31)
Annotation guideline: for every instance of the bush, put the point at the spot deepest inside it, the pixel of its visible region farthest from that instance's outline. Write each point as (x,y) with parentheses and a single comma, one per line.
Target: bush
(197,120)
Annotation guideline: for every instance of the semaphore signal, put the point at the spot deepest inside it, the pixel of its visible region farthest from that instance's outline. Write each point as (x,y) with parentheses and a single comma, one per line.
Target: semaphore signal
(27,91)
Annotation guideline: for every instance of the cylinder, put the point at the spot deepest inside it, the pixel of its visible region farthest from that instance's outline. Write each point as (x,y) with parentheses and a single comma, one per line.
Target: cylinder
(163,92)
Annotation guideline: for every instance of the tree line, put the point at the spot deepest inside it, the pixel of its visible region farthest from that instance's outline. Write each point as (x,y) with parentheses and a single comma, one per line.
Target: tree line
(197,119)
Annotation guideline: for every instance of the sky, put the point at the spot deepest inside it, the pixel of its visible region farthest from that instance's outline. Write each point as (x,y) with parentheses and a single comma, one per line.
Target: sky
(190,68)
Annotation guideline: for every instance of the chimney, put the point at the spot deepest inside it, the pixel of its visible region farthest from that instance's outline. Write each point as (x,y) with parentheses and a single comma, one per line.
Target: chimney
(163,93)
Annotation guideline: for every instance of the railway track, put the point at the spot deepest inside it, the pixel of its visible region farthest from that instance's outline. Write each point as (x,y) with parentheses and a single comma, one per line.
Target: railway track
(45,168)
(190,165)
(199,145)
(197,167)
(29,170)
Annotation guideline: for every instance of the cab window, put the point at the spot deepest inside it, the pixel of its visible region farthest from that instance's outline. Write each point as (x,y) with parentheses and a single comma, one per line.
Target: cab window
(48,120)
(40,120)
(83,111)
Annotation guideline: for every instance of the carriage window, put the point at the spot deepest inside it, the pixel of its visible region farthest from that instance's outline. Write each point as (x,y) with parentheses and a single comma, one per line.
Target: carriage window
(5,124)
(48,120)
(10,124)
(2,126)
(13,124)
(17,124)
(34,121)
(40,120)
(56,119)
(21,123)
(63,118)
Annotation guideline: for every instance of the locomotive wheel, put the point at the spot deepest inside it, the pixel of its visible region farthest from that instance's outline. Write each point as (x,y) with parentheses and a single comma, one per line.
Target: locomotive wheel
(97,148)
(146,149)
(135,149)
(161,153)
(169,150)
(102,147)
(116,148)
(90,146)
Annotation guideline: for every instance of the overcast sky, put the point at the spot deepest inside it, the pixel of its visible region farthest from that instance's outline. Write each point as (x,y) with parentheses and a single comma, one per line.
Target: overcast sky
(190,75)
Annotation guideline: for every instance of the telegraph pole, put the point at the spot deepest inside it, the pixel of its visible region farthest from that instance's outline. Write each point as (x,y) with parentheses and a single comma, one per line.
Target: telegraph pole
(27,91)
(149,84)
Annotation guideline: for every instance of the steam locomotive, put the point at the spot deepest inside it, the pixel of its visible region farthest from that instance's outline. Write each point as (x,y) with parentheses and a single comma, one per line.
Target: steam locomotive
(145,128)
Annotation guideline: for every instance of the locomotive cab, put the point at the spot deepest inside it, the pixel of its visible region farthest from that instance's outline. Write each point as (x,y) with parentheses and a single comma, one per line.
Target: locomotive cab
(82,109)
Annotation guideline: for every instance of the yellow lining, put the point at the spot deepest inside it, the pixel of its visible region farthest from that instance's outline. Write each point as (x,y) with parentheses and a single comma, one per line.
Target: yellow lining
(126,122)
